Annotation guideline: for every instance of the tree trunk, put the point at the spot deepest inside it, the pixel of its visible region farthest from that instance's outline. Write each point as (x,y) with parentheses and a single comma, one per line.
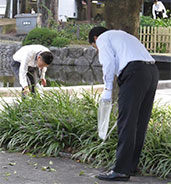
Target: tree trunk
(54,9)
(48,9)
(14,7)
(23,6)
(7,11)
(79,8)
(123,14)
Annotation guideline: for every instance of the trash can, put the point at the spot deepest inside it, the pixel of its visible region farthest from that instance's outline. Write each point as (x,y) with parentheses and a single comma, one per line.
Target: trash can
(26,22)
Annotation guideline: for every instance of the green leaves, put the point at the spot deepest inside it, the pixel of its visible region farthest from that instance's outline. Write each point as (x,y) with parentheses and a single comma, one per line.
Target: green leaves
(148,21)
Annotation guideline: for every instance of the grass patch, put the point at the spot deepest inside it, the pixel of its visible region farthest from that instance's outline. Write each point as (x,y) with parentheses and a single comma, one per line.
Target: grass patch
(57,122)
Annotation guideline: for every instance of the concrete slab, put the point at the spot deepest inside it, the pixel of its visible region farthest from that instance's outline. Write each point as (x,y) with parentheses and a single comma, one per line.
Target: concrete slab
(16,168)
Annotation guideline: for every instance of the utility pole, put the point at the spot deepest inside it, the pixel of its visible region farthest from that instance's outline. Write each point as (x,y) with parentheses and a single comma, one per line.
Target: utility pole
(11,9)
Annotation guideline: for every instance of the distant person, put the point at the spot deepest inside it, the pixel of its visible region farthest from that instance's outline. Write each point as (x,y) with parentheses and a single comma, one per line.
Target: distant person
(124,55)
(158,10)
(29,65)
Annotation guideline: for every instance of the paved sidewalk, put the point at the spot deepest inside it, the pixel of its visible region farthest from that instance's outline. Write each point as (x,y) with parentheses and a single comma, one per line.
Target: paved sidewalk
(163,96)
(16,168)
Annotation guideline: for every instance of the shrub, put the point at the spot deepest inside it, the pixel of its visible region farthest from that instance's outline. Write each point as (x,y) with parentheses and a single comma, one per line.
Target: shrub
(42,36)
(58,122)
(148,21)
(60,42)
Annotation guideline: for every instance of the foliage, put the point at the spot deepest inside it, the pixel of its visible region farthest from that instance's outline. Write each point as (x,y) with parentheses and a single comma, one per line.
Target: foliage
(57,122)
(60,35)
(60,42)
(148,21)
(44,36)
(156,157)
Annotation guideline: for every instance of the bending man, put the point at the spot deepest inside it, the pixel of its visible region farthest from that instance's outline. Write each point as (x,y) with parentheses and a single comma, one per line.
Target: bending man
(123,55)
(29,64)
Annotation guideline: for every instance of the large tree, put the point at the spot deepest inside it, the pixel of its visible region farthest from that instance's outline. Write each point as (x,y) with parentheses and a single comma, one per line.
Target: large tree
(48,9)
(123,14)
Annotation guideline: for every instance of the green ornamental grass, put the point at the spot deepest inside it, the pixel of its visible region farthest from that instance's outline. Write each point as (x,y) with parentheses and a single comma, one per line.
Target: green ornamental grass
(58,122)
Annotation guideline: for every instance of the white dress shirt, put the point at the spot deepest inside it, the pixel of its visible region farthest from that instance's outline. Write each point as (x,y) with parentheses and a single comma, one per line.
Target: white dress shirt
(159,7)
(116,49)
(26,56)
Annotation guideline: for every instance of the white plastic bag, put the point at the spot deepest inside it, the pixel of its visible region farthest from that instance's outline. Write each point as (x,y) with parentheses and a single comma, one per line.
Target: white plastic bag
(40,89)
(104,110)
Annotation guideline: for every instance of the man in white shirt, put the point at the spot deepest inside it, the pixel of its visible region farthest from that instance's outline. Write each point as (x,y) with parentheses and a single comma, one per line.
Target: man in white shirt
(158,10)
(29,64)
(123,55)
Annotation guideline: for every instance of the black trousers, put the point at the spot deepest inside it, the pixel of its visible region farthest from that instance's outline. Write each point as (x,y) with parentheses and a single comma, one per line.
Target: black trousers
(159,14)
(32,75)
(137,86)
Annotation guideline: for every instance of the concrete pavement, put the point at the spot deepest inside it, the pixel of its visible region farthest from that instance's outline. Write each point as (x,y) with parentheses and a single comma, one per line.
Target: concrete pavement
(16,168)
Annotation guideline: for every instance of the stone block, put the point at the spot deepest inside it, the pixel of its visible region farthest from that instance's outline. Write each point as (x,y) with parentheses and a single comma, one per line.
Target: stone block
(81,61)
(75,52)
(90,54)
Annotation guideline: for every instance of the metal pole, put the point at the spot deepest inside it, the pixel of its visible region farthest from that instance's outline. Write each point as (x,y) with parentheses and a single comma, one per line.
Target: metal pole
(11,9)
(18,6)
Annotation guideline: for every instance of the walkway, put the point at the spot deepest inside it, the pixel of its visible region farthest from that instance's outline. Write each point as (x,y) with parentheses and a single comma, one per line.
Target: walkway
(16,168)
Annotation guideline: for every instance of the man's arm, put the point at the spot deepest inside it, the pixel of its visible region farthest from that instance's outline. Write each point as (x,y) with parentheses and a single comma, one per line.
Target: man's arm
(107,59)
(42,77)
(43,73)
(23,73)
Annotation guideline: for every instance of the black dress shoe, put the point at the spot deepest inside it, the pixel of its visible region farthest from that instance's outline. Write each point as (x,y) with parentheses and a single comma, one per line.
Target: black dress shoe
(113,176)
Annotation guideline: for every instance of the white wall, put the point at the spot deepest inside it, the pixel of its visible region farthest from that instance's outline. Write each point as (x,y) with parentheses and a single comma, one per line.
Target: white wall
(67,9)
(2,7)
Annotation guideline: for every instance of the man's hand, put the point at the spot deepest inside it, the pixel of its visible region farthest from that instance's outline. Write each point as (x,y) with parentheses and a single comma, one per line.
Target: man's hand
(107,94)
(43,82)
(26,91)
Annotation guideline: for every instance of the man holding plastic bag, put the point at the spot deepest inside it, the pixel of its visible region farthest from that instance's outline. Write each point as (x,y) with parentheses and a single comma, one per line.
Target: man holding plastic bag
(123,55)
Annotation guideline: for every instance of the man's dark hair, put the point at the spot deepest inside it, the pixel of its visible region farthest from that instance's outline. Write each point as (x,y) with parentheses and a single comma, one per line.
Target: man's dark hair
(155,1)
(96,31)
(47,57)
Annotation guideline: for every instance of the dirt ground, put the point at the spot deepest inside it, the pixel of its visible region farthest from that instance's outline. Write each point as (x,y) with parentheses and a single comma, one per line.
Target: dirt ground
(6,21)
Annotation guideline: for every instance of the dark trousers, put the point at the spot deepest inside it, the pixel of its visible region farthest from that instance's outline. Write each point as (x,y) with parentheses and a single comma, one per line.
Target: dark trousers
(159,14)
(32,75)
(137,86)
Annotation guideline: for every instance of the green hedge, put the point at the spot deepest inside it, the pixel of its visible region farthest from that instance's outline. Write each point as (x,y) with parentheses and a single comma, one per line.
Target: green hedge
(56,122)
(46,37)
(148,21)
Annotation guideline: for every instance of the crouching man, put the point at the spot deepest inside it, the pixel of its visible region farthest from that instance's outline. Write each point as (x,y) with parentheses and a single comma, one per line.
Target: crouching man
(29,65)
